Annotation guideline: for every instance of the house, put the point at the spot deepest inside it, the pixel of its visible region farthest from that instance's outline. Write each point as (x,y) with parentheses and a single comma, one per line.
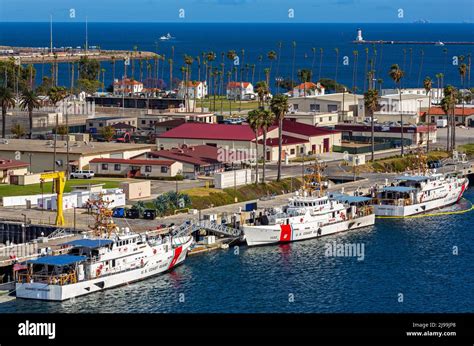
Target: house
(413,134)
(197,160)
(240,91)
(40,153)
(127,86)
(94,125)
(436,94)
(342,106)
(314,118)
(298,138)
(134,168)
(9,168)
(192,90)
(308,89)
(462,116)
(164,126)
(122,128)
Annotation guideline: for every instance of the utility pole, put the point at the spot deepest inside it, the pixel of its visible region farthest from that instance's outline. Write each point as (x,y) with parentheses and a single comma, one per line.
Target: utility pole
(51,32)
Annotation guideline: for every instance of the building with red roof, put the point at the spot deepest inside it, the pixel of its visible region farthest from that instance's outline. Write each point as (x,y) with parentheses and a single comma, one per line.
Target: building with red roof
(8,168)
(298,138)
(127,86)
(192,90)
(463,115)
(134,168)
(308,89)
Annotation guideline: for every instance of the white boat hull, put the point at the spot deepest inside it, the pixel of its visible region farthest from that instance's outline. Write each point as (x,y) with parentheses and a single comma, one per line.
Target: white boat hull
(152,266)
(272,234)
(452,197)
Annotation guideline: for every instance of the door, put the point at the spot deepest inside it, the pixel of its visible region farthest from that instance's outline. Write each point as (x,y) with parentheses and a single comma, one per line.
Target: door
(326,145)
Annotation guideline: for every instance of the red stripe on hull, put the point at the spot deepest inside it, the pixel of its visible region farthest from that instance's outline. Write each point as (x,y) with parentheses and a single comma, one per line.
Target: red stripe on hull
(177,252)
(285,234)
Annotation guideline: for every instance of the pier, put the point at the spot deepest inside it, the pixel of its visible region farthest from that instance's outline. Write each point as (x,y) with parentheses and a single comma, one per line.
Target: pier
(429,43)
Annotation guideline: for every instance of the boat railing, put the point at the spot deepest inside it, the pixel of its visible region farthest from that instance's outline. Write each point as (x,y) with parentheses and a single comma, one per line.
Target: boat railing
(396,202)
(60,279)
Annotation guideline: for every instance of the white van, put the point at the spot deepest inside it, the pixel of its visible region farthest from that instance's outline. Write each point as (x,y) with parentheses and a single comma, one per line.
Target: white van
(82,175)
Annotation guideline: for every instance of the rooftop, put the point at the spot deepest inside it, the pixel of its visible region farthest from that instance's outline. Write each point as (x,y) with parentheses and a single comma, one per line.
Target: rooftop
(286,140)
(305,129)
(78,148)
(59,260)
(201,155)
(9,164)
(134,162)
(211,131)
(458,111)
(404,96)
(332,97)
(238,84)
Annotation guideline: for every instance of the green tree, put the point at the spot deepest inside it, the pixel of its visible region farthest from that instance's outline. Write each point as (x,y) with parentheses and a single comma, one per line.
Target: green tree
(396,73)
(254,119)
(448,104)
(18,131)
(88,68)
(428,85)
(267,120)
(108,133)
(371,104)
(6,101)
(279,106)
(304,76)
(29,101)
(261,88)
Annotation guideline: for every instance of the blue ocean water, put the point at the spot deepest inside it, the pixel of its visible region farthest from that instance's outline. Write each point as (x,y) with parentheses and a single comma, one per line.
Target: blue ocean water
(412,257)
(259,39)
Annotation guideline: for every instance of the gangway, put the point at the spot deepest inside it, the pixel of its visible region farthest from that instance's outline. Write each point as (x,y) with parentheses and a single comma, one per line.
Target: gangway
(189,227)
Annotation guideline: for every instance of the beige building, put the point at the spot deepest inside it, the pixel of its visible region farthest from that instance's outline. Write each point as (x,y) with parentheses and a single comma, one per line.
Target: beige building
(314,119)
(94,125)
(9,168)
(134,168)
(40,153)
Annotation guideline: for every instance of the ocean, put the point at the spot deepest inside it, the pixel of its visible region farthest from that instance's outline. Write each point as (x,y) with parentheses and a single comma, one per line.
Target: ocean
(259,39)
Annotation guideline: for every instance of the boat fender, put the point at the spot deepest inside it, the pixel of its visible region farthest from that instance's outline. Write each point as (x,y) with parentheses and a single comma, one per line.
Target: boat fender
(97,273)
(154,251)
(319,231)
(142,263)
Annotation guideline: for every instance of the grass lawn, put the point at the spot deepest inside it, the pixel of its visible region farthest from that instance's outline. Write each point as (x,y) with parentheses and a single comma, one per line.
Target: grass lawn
(226,105)
(467,148)
(398,164)
(35,189)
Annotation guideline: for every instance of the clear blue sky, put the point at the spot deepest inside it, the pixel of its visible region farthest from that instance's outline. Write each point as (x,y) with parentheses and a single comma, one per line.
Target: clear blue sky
(356,11)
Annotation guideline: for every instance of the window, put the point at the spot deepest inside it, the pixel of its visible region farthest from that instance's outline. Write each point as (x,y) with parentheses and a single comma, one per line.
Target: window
(91,125)
(117,167)
(329,118)
(164,169)
(295,106)
(105,166)
(332,108)
(302,150)
(314,107)
(143,122)
(292,151)
(148,169)
(101,125)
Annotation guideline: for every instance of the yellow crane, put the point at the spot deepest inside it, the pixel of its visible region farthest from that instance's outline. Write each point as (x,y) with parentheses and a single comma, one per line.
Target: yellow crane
(59,180)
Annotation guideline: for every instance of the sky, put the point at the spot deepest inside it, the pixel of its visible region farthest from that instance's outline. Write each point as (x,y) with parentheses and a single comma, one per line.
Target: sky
(267,11)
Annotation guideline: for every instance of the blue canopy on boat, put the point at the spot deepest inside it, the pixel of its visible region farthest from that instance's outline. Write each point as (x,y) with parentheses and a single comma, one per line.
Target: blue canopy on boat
(398,189)
(416,178)
(60,260)
(90,243)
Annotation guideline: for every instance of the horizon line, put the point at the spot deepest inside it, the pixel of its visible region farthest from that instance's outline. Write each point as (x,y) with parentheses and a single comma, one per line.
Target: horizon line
(225,22)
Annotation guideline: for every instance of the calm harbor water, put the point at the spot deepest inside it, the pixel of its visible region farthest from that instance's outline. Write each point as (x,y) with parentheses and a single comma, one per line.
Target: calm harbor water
(413,257)
(258,39)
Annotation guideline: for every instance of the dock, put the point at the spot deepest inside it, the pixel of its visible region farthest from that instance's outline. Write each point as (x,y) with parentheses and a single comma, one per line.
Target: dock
(428,43)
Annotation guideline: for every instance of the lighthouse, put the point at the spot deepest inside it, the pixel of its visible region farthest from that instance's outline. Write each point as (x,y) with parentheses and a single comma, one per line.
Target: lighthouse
(359,35)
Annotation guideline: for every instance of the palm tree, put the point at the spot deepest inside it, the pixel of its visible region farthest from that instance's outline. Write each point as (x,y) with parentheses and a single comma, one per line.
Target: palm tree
(253,72)
(210,56)
(280,44)
(279,106)
(462,73)
(396,73)
(267,120)
(428,85)
(293,64)
(170,63)
(18,131)
(272,55)
(371,103)
(254,119)
(6,101)
(56,94)
(260,59)
(321,51)
(448,104)
(231,55)
(29,101)
(304,76)
(261,88)
(266,71)
(366,67)
(113,66)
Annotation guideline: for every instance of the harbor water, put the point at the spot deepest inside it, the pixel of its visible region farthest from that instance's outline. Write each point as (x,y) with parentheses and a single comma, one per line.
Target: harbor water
(414,265)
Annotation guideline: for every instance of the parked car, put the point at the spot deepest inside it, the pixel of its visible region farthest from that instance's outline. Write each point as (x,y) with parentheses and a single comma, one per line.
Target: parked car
(82,175)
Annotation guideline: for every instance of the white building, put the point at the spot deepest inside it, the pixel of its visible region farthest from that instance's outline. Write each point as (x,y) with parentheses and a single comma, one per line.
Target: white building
(308,89)
(127,86)
(240,91)
(194,90)
(436,93)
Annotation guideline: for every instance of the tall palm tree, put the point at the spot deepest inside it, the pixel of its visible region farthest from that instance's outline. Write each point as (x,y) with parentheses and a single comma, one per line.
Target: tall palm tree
(57,94)
(279,106)
(448,103)
(321,51)
(253,72)
(462,73)
(6,101)
(254,119)
(396,73)
(272,56)
(304,76)
(170,63)
(231,55)
(293,64)
(366,67)
(113,66)
(266,71)
(469,70)
(371,104)
(210,56)
(29,101)
(260,59)
(314,60)
(428,85)
(261,88)
(267,120)
(280,45)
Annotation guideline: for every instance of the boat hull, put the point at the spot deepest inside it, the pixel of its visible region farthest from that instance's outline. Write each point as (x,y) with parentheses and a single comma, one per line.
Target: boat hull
(452,197)
(274,234)
(154,265)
